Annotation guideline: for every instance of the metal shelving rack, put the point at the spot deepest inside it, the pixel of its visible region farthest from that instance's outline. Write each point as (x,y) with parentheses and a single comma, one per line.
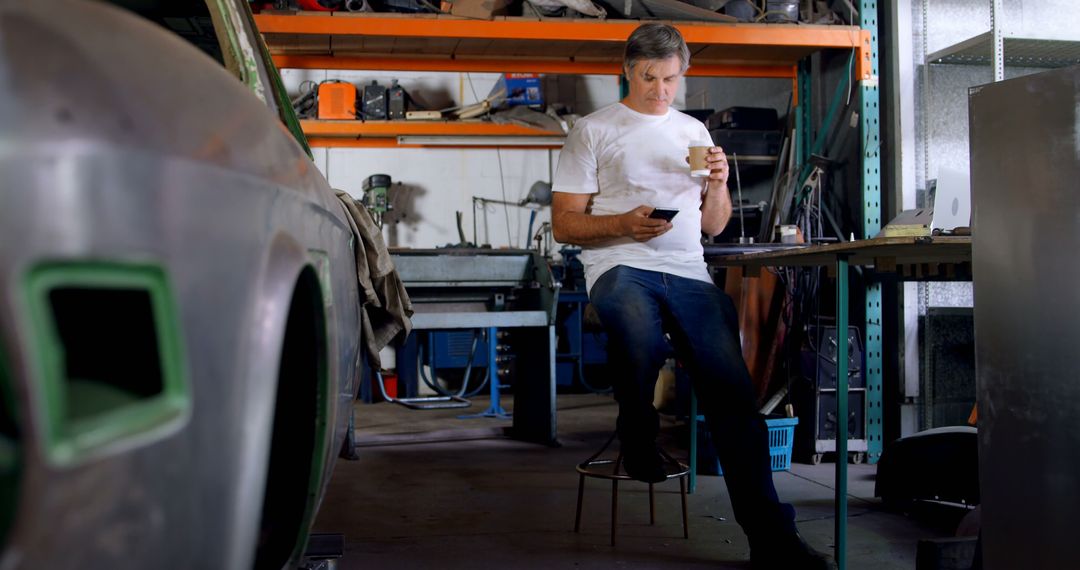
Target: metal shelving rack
(1001,46)
(871,191)
(442,43)
(306,40)
(1017,51)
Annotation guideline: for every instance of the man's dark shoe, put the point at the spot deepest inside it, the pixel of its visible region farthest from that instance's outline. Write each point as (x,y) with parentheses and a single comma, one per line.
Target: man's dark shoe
(788,553)
(644,463)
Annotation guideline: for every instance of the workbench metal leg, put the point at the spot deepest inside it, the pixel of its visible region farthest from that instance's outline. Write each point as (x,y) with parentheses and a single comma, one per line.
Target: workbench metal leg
(534,386)
(841,411)
(495,409)
(614,508)
(652,505)
(693,440)
(685,520)
(580,495)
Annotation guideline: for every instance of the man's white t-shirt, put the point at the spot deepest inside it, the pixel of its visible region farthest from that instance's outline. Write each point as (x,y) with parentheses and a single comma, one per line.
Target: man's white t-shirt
(627,159)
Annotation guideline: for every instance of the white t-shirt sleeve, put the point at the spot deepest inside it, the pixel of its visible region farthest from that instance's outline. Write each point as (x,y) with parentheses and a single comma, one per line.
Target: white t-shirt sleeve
(703,133)
(577,171)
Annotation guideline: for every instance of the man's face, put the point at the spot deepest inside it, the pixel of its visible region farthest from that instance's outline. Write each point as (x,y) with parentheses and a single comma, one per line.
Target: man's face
(653,83)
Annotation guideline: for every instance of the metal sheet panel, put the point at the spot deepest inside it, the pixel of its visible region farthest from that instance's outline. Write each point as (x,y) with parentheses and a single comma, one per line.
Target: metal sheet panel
(121,144)
(476,319)
(449,268)
(1025,164)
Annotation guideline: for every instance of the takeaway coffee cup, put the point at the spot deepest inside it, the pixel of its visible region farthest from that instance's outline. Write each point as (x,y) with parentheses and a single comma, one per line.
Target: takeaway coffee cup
(699,167)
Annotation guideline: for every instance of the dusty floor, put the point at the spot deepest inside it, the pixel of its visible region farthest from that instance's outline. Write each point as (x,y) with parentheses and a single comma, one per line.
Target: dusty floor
(434,491)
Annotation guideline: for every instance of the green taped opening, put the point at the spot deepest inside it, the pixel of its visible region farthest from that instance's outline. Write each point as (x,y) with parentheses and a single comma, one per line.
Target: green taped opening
(108,341)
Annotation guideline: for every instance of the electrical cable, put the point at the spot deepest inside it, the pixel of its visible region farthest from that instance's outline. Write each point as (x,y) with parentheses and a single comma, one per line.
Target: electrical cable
(487,377)
(510,236)
(502,179)
(304,104)
(830,116)
(430,6)
(433,383)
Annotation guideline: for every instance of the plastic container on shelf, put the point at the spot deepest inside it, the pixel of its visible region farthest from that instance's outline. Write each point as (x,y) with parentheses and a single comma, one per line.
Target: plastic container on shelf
(782,11)
(743,10)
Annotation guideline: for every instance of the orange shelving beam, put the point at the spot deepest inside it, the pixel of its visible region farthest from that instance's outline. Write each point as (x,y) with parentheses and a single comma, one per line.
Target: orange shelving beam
(566,67)
(733,35)
(810,36)
(338,142)
(324,128)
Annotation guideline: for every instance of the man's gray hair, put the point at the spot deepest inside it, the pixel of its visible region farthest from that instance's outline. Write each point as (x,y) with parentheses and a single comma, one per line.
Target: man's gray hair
(656,41)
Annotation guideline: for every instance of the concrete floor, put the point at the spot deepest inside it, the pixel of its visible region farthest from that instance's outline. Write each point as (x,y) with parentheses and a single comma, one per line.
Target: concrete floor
(434,491)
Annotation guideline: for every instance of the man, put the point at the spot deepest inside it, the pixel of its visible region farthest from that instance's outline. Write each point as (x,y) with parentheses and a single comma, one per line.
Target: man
(648,276)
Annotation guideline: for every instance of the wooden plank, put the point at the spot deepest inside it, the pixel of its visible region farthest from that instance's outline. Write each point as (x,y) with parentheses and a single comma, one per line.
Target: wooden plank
(298,43)
(863,252)
(885,264)
(471,46)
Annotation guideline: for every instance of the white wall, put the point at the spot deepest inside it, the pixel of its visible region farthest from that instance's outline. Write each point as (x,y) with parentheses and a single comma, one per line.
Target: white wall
(434,182)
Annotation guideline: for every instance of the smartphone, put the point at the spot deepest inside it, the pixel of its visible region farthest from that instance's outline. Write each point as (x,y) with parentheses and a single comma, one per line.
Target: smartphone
(663,213)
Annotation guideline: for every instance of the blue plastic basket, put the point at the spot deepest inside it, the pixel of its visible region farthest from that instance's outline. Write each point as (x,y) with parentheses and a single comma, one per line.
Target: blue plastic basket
(781,437)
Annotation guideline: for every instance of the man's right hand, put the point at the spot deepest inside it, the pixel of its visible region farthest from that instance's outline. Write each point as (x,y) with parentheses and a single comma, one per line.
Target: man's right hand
(638,225)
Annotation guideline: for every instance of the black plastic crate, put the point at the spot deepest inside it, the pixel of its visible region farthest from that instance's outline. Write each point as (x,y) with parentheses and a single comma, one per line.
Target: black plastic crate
(744,118)
(747,143)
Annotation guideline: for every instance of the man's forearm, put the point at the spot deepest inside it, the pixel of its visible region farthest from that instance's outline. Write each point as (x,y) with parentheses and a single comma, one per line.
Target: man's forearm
(586,229)
(715,209)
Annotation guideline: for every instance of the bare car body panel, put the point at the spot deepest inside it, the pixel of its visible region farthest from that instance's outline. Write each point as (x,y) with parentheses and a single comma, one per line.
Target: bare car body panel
(120,143)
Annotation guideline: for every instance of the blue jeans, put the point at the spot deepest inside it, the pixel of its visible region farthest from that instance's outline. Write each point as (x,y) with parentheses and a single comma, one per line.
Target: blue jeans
(637,307)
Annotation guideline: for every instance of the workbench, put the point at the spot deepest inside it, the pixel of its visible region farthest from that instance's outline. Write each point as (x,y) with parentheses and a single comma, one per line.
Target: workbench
(902,258)
(462,289)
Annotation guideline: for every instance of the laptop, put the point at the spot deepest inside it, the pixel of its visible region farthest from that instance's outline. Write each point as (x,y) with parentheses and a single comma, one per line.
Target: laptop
(952,200)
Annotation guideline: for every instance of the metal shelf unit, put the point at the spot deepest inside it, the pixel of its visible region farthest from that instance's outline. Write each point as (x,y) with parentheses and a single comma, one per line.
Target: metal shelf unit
(312,40)
(571,46)
(446,43)
(1040,44)
(1017,51)
(1002,46)
(316,40)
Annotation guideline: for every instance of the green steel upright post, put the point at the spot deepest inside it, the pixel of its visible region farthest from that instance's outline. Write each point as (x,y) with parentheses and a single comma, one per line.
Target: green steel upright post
(871,191)
(803,116)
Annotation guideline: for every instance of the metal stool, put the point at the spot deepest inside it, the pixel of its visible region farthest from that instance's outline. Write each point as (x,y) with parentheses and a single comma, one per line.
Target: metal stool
(610,469)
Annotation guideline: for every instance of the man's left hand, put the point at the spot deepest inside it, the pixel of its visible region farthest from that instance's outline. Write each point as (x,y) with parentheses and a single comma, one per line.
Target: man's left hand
(718,164)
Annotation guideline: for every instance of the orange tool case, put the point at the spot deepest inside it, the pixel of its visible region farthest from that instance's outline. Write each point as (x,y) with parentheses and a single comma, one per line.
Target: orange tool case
(337,100)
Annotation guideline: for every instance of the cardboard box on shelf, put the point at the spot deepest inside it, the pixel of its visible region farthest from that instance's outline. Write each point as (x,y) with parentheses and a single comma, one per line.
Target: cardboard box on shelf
(520,89)
(479,8)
